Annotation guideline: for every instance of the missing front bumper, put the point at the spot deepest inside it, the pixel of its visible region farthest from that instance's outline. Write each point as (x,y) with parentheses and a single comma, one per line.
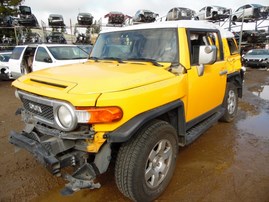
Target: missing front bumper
(82,178)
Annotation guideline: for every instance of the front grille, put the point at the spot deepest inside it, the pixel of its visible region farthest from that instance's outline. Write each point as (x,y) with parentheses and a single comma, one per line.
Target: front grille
(32,136)
(46,111)
(43,110)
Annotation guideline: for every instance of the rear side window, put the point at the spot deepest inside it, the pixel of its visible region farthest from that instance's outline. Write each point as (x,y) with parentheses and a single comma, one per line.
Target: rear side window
(42,55)
(16,53)
(232,46)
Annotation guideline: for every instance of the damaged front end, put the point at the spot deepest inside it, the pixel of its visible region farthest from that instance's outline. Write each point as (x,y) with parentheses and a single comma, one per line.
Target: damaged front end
(57,149)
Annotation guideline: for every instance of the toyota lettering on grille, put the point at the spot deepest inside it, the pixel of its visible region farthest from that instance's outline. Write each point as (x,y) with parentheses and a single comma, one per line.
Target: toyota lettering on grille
(35,107)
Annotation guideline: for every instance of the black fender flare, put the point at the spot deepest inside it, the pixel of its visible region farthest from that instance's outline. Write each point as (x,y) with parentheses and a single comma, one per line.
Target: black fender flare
(128,129)
(237,78)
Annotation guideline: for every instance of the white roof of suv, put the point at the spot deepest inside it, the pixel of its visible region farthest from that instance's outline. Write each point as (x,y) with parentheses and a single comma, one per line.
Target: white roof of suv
(176,24)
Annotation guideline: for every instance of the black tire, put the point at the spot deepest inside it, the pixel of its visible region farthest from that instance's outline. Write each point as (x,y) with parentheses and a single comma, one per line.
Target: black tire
(234,19)
(153,150)
(230,103)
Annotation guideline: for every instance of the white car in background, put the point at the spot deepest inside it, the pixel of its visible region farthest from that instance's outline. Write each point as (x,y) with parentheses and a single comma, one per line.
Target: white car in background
(180,13)
(4,69)
(28,58)
(251,12)
(212,13)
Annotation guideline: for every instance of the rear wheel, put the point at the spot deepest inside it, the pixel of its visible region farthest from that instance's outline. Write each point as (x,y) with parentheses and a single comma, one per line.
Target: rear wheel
(234,18)
(230,103)
(146,163)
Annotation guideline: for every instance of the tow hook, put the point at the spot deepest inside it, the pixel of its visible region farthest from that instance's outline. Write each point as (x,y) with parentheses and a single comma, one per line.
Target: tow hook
(82,178)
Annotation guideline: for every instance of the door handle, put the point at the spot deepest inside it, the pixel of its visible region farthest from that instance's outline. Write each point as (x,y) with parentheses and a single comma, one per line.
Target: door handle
(223,72)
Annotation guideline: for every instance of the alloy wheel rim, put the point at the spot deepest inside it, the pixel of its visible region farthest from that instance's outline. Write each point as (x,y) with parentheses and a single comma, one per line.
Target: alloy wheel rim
(158,163)
(231,102)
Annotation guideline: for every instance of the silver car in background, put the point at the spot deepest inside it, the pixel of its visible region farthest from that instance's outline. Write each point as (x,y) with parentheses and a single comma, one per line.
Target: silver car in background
(213,13)
(256,58)
(180,13)
(251,12)
(145,16)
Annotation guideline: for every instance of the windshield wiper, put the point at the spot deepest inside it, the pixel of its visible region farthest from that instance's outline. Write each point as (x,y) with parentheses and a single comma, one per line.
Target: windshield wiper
(154,62)
(94,58)
(119,60)
(77,58)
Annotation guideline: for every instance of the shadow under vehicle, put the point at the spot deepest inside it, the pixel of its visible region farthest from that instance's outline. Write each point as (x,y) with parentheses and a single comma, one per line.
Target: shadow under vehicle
(145,16)
(212,13)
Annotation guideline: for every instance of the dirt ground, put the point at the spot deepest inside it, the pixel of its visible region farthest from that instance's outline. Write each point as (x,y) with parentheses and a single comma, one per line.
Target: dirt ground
(230,162)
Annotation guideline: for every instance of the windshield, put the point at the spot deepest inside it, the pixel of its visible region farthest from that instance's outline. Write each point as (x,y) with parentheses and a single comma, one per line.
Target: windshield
(256,5)
(68,53)
(258,52)
(160,45)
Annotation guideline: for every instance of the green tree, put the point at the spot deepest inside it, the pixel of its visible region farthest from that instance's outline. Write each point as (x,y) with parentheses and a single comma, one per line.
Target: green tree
(9,7)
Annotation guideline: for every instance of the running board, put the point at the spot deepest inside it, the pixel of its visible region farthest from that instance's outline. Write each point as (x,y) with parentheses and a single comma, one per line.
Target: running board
(194,132)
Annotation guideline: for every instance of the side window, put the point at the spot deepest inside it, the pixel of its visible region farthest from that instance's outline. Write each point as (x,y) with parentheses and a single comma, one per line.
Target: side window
(42,55)
(232,46)
(16,53)
(203,38)
(137,13)
(239,9)
(175,13)
(203,9)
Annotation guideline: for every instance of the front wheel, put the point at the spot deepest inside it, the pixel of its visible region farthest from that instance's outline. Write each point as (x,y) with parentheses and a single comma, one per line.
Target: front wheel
(230,103)
(146,163)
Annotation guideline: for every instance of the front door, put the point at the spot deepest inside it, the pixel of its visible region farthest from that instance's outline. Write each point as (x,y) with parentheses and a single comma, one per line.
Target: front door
(206,91)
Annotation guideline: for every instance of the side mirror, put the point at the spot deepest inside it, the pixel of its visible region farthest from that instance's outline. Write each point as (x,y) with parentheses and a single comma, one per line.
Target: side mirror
(48,60)
(207,55)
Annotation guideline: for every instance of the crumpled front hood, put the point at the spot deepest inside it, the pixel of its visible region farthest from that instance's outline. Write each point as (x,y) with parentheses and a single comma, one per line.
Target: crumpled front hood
(100,77)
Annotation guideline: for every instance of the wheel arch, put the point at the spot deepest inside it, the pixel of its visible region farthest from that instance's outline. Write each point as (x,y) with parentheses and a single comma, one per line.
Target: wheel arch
(237,79)
(173,113)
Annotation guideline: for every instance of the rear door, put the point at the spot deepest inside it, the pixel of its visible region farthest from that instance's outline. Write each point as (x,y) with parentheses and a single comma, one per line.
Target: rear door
(15,61)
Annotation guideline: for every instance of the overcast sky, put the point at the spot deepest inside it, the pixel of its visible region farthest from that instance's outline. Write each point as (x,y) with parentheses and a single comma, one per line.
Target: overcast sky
(98,8)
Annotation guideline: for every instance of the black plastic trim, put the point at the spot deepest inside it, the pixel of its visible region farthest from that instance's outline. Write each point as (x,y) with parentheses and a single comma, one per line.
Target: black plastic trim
(237,78)
(199,119)
(127,130)
(44,157)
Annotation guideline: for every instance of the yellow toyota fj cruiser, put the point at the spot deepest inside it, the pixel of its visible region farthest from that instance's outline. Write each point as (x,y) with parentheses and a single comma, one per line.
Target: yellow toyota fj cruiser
(146,90)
